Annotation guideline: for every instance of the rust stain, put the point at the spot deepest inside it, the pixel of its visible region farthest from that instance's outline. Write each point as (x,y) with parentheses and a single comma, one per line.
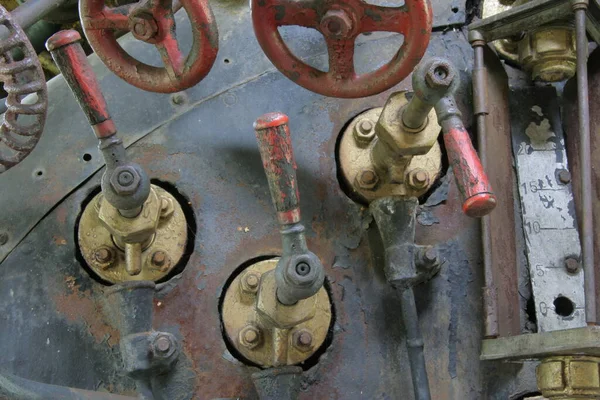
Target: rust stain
(79,307)
(59,240)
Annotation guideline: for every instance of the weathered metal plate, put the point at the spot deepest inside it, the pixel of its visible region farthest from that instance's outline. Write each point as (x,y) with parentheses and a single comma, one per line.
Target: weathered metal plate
(549,220)
(54,327)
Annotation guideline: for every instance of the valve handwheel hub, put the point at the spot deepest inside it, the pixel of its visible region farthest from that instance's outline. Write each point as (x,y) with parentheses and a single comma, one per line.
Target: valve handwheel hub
(152,21)
(340,22)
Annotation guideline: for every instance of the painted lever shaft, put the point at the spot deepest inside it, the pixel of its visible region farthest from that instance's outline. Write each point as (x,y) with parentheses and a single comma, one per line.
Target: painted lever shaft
(275,145)
(72,62)
(471,179)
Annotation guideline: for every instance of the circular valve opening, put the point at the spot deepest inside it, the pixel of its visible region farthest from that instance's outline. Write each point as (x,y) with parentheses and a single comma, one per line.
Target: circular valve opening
(262,332)
(164,253)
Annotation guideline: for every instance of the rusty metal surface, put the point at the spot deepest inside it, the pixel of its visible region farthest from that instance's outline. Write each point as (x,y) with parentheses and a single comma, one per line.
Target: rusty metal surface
(232,201)
(500,171)
(571,126)
(207,149)
(23,122)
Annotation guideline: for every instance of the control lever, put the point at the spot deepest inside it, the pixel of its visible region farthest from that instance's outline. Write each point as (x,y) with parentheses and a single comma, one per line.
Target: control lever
(299,273)
(434,83)
(131,186)
(471,179)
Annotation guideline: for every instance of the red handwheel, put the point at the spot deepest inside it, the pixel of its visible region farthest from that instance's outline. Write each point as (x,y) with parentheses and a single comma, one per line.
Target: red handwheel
(152,21)
(340,22)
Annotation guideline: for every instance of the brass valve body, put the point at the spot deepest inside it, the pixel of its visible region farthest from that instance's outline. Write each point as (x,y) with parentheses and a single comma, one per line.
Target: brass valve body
(267,332)
(406,176)
(548,53)
(160,229)
(569,377)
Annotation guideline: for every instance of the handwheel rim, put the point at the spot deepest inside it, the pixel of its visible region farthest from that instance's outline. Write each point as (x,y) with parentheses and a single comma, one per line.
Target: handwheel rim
(197,63)
(268,15)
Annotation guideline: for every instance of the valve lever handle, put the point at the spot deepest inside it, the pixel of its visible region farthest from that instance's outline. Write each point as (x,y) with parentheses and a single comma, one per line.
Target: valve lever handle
(275,144)
(472,181)
(72,62)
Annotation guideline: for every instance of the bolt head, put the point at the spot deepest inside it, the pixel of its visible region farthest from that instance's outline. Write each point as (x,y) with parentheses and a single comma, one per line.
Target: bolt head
(163,346)
(125,180)
(143,26)
(564,176)
(166,207)
(364,131)
(159,258)
(418,178)
(439,75)
(104,257)
(367,179)
(303,340)
(336,24)
(250,282)
(430,256)
(572,265)
(249,336)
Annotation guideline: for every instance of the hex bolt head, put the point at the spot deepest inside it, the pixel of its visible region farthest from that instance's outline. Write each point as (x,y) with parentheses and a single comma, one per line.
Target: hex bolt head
(143,26)
(250,282)
(166,207)
(163,346)
(564,176)
(336,24)
(104,257)
(418,178)
(439,75)
(303,340)
(367,179)
(430,256)
(159,258)
(572,265)
(249,336)
(364,131)
(125,180)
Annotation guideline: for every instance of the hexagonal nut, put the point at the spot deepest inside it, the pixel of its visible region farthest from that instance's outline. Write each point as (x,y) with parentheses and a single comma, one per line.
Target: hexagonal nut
(103,257)
(364,132)
(118,183)
(302,339)
(163,345)
(439,75)
(166,207)
(418,178)
(250,337)
(131,230)
(367,179)
(279,315)
(143,26)
(249,282)
(391,130)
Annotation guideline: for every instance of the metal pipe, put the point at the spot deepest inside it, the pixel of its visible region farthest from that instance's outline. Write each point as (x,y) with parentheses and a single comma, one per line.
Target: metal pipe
(414,345)
(32,11)
(16,388)
(586,220)
(490,301)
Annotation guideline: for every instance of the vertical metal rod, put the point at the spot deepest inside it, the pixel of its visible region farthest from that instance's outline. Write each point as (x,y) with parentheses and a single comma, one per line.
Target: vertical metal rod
(414,345)
(586,220)
(490,300)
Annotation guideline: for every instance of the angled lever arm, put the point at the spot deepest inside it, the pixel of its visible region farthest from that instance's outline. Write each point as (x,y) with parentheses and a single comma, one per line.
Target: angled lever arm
(299,273)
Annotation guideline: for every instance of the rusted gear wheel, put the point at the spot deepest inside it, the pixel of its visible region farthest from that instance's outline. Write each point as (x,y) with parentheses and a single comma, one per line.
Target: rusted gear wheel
(24,119)
(340,22)
(152,21)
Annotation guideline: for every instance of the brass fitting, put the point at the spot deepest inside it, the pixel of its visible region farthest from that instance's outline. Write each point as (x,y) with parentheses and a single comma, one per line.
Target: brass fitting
(264,330)
(568,377)
(278,315)
(144,247)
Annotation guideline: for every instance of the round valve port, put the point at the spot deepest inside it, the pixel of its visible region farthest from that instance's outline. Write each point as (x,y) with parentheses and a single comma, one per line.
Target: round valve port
(365,179)
(266,332)
(104,253)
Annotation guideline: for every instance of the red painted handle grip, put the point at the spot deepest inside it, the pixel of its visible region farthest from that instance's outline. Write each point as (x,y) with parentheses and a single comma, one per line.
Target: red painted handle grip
(471,179)
(72,62)
(275,145)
